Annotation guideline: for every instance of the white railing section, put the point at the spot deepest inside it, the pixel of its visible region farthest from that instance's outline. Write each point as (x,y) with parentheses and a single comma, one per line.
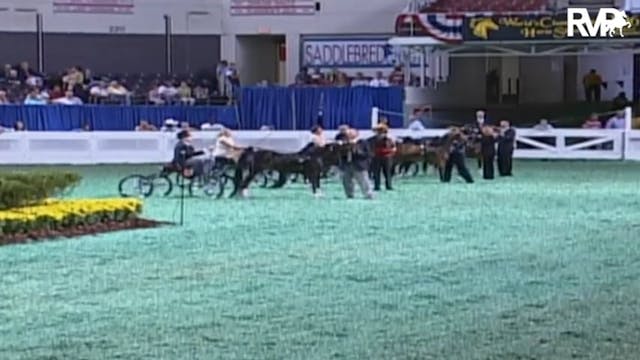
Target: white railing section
(157,147)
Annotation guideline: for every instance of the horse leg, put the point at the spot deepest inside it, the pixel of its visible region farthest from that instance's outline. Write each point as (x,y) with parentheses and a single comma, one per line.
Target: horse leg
(237,181)
(282,180)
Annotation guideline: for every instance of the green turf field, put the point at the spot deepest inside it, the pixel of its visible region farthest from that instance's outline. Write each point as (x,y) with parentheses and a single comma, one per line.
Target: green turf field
(545,265)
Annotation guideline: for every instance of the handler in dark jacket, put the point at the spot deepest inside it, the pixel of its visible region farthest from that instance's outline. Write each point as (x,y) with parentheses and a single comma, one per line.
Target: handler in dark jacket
(506,146)
(457,157)
(354,165)
(384,149)
(488,152)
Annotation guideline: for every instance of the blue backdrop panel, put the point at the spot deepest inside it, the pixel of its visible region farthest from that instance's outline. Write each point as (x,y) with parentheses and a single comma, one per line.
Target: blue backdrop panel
(266,106)
(100,117)
(284,107)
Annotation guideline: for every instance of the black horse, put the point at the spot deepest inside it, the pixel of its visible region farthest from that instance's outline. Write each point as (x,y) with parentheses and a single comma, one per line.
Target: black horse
(254,162)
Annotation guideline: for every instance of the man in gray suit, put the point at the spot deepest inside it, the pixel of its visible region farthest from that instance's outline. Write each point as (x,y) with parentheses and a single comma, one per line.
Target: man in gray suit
(354,165)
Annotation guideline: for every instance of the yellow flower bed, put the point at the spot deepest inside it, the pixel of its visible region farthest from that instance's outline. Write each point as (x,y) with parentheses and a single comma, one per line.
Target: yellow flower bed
(60,214)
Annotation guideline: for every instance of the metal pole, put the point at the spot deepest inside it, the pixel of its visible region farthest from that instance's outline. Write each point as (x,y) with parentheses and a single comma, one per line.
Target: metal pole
(187,57)
(168,48)
(39,43)
(293,110)
(423,66)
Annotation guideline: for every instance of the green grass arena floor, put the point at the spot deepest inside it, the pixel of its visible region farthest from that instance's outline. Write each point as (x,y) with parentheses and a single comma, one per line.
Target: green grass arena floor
(545,265)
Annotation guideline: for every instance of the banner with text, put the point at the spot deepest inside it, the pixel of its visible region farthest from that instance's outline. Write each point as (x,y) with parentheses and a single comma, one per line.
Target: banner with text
(352,55)
(527,28)
(116,7)
(272,7)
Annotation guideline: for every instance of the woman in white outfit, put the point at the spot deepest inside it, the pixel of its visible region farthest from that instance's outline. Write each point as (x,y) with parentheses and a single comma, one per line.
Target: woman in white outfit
(225,151)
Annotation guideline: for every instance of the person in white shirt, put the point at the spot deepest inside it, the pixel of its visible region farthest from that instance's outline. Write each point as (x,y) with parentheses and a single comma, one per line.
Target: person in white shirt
(168,92)
(543,125)
(170,125)
(68,99)
(317,137)
(617,121)
(119,92)
(416,124)
(99,90)
(360,80)
(225,151)
(379,81)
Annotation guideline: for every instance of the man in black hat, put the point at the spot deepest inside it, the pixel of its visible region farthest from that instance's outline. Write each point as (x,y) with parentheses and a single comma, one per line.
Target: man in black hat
(506,146)
(184,156)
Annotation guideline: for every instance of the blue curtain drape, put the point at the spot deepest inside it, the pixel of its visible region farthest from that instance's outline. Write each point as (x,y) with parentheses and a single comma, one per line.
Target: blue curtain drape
(281,108)
(115,118)
(297,108)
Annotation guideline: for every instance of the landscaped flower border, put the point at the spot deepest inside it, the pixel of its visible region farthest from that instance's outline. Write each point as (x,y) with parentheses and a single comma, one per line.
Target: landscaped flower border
(54,218)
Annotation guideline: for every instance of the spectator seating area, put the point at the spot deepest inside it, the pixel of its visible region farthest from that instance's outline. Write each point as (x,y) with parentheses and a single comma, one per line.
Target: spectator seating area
(281,108)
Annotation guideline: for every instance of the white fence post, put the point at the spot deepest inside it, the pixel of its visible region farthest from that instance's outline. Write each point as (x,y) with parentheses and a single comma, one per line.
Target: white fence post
(375,115)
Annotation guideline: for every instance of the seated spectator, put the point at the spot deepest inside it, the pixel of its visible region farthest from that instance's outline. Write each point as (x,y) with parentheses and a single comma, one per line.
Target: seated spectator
(170,125)
(379,80)
(35,98)
(416,123)
(593,122)
(34,81)
(19,126)
(154,96)
(617,121)
(184,92)
(25,73)
(201,93)
(72,78)
(56,93)
(3,98)
(317,77)
(68,99)
(341,80)
(334,77)
(397,76)
(360,80)
(168,92)
(211,127)
(119,93)
(7,71)
(543,125)
(620,102)
(186,126)
(98,92)
(302,77)
(146,126)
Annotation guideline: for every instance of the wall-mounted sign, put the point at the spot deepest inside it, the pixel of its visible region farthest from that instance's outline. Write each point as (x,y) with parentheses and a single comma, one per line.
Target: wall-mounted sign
(363,54)
(529,28)
(272,7)
(93,6)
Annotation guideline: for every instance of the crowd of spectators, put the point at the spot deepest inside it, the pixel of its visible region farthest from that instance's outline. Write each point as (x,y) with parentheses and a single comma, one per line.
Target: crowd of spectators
(336,77)
(21,84)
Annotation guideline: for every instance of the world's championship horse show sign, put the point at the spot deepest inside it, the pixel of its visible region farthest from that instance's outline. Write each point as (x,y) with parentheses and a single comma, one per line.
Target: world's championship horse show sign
(488,28)
(527,28)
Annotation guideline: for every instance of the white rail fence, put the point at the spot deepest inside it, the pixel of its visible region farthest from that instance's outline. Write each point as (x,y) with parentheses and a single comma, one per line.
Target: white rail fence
(156,147)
